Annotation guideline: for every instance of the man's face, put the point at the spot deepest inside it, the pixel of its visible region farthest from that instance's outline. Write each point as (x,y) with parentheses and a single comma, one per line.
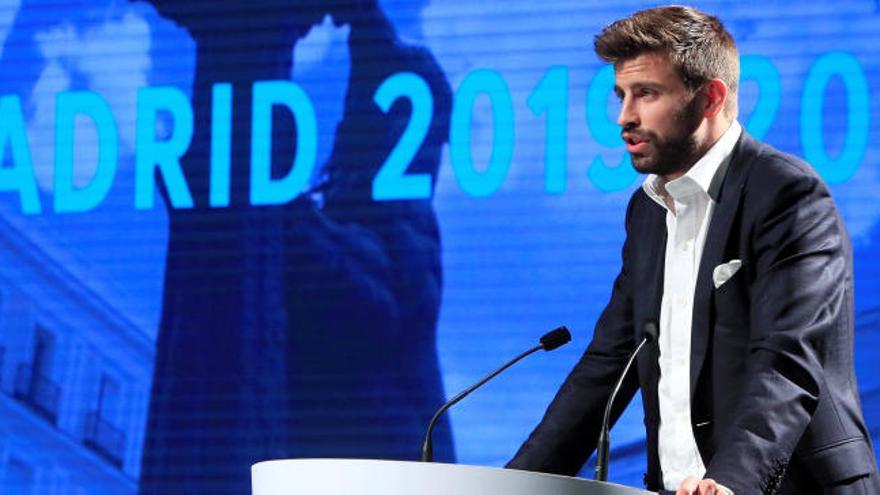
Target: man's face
(659,115)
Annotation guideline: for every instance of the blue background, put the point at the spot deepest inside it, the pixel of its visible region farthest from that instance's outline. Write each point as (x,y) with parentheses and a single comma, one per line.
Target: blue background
(82,293)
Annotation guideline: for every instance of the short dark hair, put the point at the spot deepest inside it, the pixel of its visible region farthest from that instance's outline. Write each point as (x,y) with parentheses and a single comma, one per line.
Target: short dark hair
(697,44)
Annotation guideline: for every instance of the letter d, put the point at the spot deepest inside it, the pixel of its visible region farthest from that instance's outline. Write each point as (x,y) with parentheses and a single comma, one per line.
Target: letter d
(264,189)
(69,198)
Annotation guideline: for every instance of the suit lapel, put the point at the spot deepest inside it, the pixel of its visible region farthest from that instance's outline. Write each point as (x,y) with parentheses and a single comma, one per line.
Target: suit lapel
(649,281)
(648,294)
(727,190)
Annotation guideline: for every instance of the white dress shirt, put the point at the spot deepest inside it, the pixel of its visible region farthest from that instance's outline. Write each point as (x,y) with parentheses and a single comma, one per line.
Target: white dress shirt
(688,213)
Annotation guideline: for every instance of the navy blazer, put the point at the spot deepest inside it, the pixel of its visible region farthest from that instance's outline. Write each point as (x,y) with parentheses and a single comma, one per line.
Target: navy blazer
(775,405)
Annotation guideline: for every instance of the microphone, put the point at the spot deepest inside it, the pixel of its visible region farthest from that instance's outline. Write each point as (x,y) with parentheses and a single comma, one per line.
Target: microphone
(551,340)
(649,335)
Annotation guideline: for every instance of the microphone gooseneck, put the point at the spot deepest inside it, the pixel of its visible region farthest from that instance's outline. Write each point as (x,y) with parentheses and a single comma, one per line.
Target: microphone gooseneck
(549,341)
(649,335)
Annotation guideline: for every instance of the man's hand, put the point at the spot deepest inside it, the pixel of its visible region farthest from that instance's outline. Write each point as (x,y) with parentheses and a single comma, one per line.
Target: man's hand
(695,486)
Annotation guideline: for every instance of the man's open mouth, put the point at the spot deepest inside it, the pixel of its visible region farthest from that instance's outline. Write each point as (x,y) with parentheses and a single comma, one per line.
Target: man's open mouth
(635,143)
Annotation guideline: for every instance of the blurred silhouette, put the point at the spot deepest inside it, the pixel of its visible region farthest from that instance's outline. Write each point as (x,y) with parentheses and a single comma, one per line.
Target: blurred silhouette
(306,329)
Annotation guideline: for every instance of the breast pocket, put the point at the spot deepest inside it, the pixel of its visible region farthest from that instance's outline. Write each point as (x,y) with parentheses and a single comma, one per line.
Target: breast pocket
(730,341)
(731,302)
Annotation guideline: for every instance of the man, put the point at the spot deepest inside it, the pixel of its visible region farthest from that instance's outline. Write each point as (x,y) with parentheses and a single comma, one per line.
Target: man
(739,253)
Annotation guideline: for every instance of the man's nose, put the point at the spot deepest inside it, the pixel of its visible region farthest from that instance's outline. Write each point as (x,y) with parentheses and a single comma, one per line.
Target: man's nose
(628,117)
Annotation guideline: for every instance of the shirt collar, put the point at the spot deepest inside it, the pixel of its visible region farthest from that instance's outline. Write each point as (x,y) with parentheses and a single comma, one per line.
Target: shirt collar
(699,177)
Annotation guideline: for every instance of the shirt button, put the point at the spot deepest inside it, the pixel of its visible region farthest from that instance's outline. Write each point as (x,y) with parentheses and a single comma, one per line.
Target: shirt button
(681,301)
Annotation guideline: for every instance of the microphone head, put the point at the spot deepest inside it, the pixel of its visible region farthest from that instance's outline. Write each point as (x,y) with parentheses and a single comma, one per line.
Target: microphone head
(650,331)
(555,338)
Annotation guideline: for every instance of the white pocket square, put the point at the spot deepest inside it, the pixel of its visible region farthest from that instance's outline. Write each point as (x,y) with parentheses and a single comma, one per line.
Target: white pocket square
(723,272)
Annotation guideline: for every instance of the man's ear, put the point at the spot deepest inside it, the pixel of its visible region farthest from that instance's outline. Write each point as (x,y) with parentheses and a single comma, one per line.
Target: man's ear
(716,95)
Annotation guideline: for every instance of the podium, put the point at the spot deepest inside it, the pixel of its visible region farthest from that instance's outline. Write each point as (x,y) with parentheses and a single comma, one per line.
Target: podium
(375,477)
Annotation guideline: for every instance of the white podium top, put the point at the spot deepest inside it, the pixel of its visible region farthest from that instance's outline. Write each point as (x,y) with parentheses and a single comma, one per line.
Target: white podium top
(374,477)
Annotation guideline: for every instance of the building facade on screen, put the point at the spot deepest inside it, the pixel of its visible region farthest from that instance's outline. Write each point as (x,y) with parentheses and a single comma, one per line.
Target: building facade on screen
(74,379)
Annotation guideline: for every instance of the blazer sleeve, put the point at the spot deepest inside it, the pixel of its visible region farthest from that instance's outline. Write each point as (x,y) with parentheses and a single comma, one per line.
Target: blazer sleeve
(569,430)
(799,299)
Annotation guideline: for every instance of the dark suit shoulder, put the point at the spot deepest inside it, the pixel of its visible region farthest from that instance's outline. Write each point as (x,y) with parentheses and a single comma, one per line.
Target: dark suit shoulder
(776,170)
(776,180)
(787,209)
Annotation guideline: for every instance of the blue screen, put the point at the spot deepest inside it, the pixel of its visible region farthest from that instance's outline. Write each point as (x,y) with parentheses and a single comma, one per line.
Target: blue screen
(239,231)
